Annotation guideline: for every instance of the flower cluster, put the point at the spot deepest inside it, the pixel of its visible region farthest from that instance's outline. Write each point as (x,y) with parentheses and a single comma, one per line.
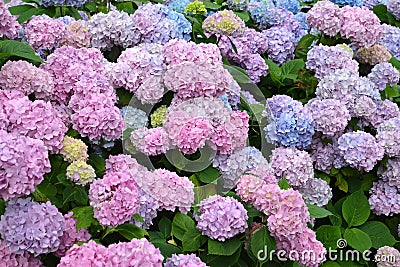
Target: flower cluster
(44,32)
(24,77)
(373,55)
(134,118)
(388,136)
(238,5)
(77,35)
(281,44)
(75,3)
(71,235)
(387,257)
(393,6)
(390,39)
(157,23)
(114,28)
(147,210)
(316,192)
(384,199)
(74,149)
(223,23)
(182,260)
(159,116)
(324,16)
(137,252)
(17,260)
(115,198)
(152,141)
(80,172)
(384,74)
(360,150)
(28,226)
(385,110)
(178,5)
(9,27)
(221,217)
(194,8)
(391,173)
(291,124)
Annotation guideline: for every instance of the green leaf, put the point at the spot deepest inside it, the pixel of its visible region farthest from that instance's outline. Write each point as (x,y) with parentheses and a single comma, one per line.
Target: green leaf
(73,12)
(330,264)
(239,74)
(221,261)
(357,239)
(181,224)
(261,240)
(329,235)
(379,233)
(318,212)
(124,96)
(130,231)
(283,184)
(193,240)
(68,194)
(227,248)
(208,175)
(47,189)
(11,48)
(341,183)
(356,209)
(290,70)
(243,15)
(304,45)
(30,13)
(81,196)
(392,91)
(98,163)
(84,216)
(157,237)
(167,249)
(16,10)
(395,63)
(165,227)
(2,206)
(211,5)
(275,72)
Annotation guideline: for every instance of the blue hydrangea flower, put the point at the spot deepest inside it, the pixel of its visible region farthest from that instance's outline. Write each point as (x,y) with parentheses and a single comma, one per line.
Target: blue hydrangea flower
(178,5)
(349,2)
(290,5)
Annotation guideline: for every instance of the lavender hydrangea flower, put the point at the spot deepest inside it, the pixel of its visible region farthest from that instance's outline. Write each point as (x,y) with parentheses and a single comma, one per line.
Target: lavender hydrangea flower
(293,164)
(29,226)
(391,39)
(134,118)
(387,257)
(114,28)
(71,235)
(147,210)
(23,162)
(10,259)
(281,44)
(9,27)
(393,6)
(385,110)
(388,136)
(74,3)
(316,192)
(182,260)
(221,217)
(384,199)
(360,149)
(391,173)
(384,74)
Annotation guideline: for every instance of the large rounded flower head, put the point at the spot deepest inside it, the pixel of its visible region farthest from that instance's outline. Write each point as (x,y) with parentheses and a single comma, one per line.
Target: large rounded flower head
(350,2)
(391,173)
(115,198)
(189,79)
(391,39)
(123,162)
(23,76)
(44,32)
(182,260)
(137,252)
(23,162)
(38,120)
(147,210)
(151,142)
(384,199)
(360,150)
(384,74)
(16,260)
(330,115)
(134,118)
(293,164)
(75,3)
(324,60)
(360,25)
(115,28)
(159,23)
(387,256)
(195,8)
(77,35)
(393,6)
(74,149)
(238,5)
(169,189)
(221,218)
(80,172)
(178,5)
(68,65)
(224,22)
(159,116)
(388,136)
(9,27)
(89,254)
(71,235)
(324,16)
(373,55)
(290,5)
(385,110)
(194,135)
(316,192)
(30,226)
(281,44)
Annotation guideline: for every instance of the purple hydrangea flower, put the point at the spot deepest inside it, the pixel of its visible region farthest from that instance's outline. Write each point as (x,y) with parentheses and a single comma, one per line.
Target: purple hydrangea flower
(10,259)
(30,226)
(393,6)
(388,136)
(391,173)
(387,257)
(221,217)
(391,39)
(281,44)
(316,192)
(182,260)
(384,199)
(9,27)
(384,74)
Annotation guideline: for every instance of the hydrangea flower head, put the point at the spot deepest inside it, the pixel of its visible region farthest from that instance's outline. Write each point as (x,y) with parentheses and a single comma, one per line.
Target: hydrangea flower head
(89,254)
(324,16)
(373,55)
(195,7)
(151,142)
(393,6)
(80,172)
(316,192)
(74,149)
(391,173)
(30,226)
(384,199)
(221,217)
(182,260)
(44,32)
(223,23)
(388,136)
(134,118)
(290,5)
(178,5)
(360,149)
(391,39)
(9,27)
(77,35)
(238,5)
(17,260)
(384,74)
(158,117)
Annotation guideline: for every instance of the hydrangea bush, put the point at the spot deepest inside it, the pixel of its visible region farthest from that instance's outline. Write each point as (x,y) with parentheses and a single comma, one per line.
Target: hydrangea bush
(199,133)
